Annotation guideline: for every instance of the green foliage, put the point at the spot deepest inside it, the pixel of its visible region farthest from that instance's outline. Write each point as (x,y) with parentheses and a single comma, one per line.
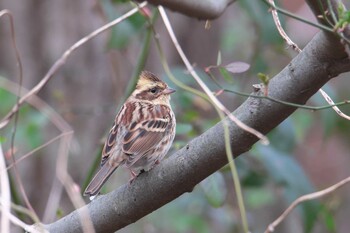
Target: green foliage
(265,34)
(283,138)
(122,34)
(214,189)
(7,100)
(59,213)
(30,127)
(260,15)
(258,197)
(189,107)
(2,139)
(29,130)
(328,117)
(264,78)
(328,219)
(344,17)
(119,1)
(183,128)
(301,123)
(285,171)
(225,74)
(188,214)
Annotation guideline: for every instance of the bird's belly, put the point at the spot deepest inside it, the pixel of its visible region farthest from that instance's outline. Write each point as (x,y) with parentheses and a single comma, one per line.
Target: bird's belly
(145,163)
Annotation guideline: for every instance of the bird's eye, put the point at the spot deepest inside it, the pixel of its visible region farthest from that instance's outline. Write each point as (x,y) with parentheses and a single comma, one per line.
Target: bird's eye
(153,90)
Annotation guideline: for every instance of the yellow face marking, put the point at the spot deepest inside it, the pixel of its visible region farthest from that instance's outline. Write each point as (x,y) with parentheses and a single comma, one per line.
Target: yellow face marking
(146,82)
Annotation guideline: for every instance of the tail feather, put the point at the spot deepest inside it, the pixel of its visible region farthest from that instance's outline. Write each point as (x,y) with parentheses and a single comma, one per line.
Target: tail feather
(99,179)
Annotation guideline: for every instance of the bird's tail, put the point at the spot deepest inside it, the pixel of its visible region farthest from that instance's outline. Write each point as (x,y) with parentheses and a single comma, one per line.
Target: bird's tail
(99,179)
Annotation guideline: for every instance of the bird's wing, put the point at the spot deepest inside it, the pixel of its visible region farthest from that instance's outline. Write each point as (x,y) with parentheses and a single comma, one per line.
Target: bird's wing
(146,134)
(139,137)
(109,144)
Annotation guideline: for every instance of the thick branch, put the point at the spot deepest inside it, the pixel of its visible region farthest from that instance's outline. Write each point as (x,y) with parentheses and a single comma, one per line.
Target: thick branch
(201,9)
(204,155)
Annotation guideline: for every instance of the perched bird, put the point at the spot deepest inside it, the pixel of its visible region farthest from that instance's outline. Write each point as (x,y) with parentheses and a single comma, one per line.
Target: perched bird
(142,132)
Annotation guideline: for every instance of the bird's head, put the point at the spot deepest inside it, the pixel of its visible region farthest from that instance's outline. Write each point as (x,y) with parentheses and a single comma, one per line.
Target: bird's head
(150,88)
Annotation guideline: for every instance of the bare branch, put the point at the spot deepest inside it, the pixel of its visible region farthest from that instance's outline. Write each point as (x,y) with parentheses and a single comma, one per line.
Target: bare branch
(16,115)
(5,198)
(205,87)
(280,29)
(335,108)
(62,60)
(54,117)
(296,48)
(308,197)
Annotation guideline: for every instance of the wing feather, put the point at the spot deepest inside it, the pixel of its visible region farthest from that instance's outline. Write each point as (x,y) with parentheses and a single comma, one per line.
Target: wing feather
(144,136)
(110,144)
(139,137)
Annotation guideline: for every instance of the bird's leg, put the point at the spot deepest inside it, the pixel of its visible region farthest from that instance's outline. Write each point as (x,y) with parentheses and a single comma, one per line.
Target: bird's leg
(133,176)
(155,164)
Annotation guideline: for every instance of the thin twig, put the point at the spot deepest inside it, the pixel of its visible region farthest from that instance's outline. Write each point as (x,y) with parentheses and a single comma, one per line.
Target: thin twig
(220,109)
(62,60)
(16,115)
(295,47)
(64,146)
(287,13)
(61,125)
(166,65)
(316,25)
(5,194)
(330,101)
(220,113)
(304,198)
(142,57)
(41,106)
(280,29)
(204,87)
(301,106)
(58,121)
(306,107)
(26,227)
(315,195)
(51,114)
(62,163)
(23,157)
(70,186)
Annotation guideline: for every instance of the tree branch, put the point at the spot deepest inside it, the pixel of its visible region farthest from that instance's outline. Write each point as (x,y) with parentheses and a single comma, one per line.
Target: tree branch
(201,9)
(322,59)
(297,82)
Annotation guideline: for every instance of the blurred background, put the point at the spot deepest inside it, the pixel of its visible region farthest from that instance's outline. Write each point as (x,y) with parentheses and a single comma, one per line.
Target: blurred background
(308,151)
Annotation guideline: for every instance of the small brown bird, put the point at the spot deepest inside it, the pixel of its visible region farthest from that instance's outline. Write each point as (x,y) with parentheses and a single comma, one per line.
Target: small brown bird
(142,133)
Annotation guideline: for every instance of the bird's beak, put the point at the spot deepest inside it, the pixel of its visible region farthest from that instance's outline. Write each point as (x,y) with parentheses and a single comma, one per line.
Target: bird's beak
(169,91)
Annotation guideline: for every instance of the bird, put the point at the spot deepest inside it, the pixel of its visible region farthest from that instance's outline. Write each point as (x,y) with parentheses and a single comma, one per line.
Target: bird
(142,132)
